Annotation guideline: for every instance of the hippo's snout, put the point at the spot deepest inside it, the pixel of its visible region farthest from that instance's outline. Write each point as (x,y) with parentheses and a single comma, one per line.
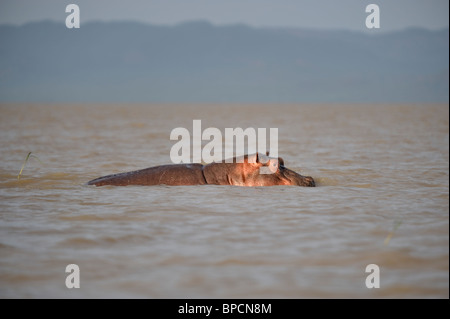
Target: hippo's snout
(307,181)
(299,180)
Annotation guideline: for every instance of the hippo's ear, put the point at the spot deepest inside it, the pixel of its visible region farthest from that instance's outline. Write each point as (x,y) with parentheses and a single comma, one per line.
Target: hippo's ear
(261,158)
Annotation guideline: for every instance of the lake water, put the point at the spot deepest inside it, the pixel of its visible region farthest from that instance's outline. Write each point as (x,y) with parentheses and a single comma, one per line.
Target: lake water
(382,173)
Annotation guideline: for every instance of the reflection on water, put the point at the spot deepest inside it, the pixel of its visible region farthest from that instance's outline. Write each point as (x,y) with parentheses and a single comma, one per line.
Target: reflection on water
(375,165)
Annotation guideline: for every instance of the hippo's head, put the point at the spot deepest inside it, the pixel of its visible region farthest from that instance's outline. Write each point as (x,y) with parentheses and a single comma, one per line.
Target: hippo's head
(254,170)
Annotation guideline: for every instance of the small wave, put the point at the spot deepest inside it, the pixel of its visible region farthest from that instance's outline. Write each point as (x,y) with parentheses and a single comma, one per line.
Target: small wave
(326,181)
(92,217)
(361,185)
(45,181)
(108,240)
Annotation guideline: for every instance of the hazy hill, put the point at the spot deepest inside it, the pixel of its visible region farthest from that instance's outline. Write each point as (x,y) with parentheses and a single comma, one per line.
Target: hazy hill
(199,62)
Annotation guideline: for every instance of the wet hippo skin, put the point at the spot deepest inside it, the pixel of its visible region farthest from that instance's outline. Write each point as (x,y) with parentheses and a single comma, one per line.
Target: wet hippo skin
(250,170)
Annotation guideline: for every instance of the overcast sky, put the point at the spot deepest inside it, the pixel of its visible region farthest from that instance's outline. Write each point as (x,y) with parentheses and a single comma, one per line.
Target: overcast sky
(317,14)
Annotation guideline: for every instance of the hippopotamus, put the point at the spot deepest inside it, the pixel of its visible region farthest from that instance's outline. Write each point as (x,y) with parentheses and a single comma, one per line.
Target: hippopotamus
(249,170)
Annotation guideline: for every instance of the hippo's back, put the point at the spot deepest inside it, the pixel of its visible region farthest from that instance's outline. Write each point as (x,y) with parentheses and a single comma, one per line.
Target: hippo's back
(176,174)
